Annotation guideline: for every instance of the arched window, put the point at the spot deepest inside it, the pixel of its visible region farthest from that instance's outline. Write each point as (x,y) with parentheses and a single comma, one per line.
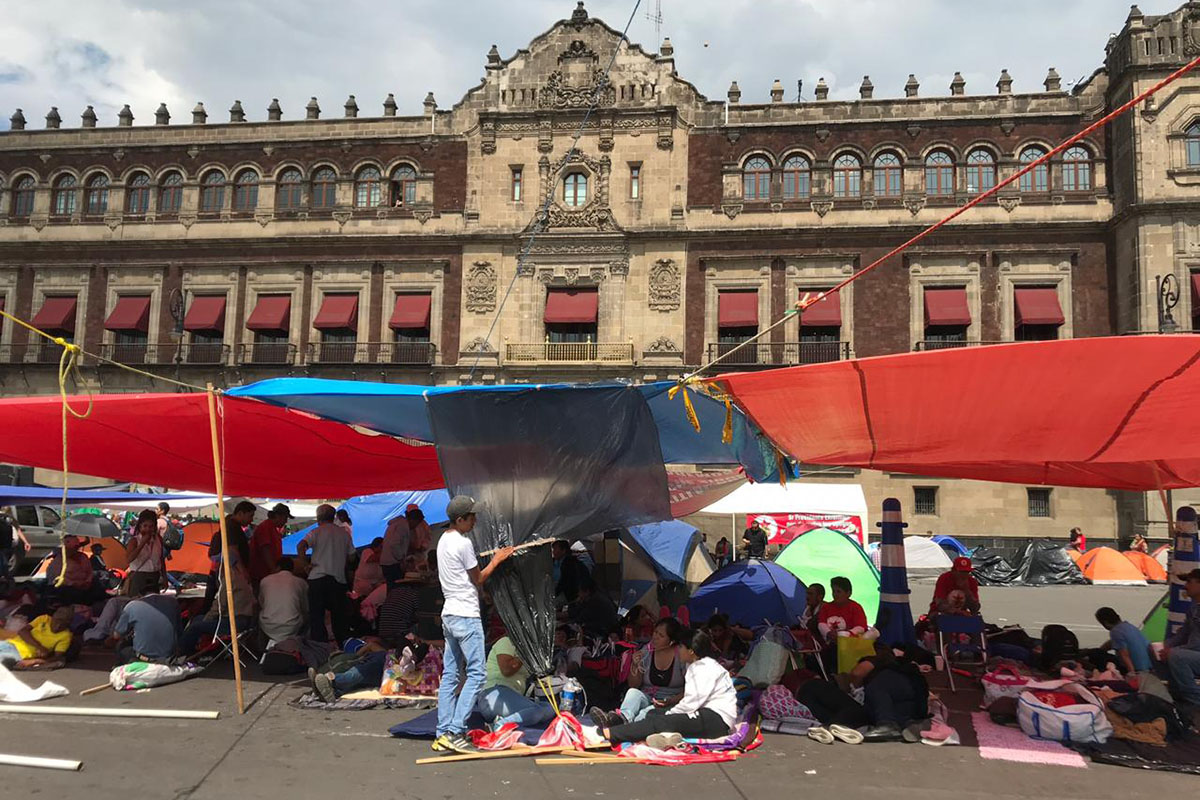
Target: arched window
(889,180)
(981,171)
(367,189)
(62,199)
(1193,144)
(1077,169)
(245,191)
(95,195)
(939,174)
(1038,178)
(847,176)
(170,193)
(756,179)
(324,188)
(22,196)
(212,192)
(797,178)
(575,189)
(404,185)
(288,191)
(137,193)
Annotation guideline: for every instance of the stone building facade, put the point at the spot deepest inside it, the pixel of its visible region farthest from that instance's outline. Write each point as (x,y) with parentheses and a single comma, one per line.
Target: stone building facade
(476,244)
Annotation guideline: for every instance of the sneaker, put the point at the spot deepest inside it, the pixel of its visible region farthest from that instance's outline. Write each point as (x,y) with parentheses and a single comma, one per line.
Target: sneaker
(664,741)
(442,744)
(602,718)
(459,743)
(819,733)
(323,686)
(846,734)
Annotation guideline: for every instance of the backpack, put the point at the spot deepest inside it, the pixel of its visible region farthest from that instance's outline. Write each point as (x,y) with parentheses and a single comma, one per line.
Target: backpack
(173,538)
(6,533)
(1058,644)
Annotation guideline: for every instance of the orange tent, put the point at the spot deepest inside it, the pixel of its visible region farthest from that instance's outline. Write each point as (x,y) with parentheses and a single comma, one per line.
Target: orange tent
(1147,565)
(113,555)
(1104,565)
(193,556)
(1074,554)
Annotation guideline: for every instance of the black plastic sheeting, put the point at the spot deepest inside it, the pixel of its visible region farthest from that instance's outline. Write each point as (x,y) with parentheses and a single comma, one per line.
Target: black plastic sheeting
(1039,563)
(1181,755)
(547,465)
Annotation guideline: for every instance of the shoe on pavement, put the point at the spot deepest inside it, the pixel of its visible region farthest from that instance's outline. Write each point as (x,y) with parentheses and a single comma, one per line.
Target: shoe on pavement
(442,744)
(819,733)
(602,718)
(912,733)
(845,734)
(664,741)
(887,732)
(324,687)
(459,743)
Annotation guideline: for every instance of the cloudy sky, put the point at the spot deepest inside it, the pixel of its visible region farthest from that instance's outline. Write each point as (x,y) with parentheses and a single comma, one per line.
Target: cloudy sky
(72,53)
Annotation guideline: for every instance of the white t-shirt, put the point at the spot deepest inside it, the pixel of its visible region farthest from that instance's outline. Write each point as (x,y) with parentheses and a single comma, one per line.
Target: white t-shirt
(331,548)
(284,600)
(455,557)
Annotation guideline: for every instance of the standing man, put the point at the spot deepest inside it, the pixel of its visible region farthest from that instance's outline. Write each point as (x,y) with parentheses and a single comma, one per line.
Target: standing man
(1182,651)
(755,541)
(163,510)
(420,535)
(396,541)
(460,577)
(266,543)
(331,549)
(235,528)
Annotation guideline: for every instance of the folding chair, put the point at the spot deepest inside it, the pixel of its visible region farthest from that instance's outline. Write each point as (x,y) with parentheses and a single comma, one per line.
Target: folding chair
(954,627)
(810,645)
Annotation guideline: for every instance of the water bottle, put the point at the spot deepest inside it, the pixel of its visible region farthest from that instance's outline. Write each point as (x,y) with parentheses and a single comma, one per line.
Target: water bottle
(569,693)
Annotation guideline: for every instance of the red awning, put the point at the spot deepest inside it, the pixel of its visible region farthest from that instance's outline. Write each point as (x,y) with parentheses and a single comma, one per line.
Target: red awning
(56,314)
(338,312)
(737,309)
(947,306)
(1038,307)
(1019,414)
(132,313)
(411,311)
(273,312)
(206,314)
(572,305)
(825,313)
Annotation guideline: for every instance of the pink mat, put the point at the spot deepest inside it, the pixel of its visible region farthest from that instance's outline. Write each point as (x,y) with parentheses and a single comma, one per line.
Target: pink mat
(1011,744)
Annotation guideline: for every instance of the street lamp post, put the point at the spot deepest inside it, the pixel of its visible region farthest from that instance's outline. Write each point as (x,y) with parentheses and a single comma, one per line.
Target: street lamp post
(1167,295)
(176,308)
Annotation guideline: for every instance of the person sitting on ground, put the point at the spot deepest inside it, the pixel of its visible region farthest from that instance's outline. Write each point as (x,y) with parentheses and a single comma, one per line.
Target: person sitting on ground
(216,621)
(42,644)
(569,574)
(369,573)
(148,629)
(721,552)
(97,559)
(503,699)
(814,601)
(656,678)
(895,694)
(1182,651)
(420,537)
(842,616)
(1130,645)
(79,583)
(958,578)
(730,643)
(283,602)
(1139,544)
(594,612)
(638,625)
(754,540)
(708,709)
(266,543)
(397,541)
(147,565)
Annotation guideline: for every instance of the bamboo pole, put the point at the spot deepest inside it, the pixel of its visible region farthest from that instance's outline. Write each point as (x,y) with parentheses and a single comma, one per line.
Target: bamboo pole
(82,711)
(11,760)
(515,752)
(520,547)
(95,689)
(218,474)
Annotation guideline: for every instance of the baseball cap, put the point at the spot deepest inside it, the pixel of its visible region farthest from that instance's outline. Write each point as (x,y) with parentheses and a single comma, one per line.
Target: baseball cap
(962,564)
(281,508)
(460,506)
(411,507)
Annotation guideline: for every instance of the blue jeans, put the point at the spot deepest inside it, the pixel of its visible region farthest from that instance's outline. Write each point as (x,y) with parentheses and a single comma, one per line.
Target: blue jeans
(502,705)
(1184,666)
(365,675)
(464,647)
(9,654)
(635,706)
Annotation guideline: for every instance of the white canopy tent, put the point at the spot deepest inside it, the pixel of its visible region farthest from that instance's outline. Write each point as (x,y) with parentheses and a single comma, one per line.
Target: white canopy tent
(807,500)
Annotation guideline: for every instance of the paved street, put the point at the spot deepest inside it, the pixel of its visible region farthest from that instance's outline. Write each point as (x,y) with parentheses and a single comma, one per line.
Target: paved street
(278,751)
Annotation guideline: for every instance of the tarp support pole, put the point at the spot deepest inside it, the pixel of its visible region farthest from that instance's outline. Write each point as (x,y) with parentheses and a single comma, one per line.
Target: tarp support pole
(229,609)
(733,535)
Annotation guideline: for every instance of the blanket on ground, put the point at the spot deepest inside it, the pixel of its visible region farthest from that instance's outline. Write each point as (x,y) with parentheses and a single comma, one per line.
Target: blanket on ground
(310,700)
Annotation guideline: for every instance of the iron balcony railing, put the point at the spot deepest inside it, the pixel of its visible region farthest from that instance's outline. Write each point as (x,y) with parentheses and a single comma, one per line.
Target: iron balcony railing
(568,352)
(267,353)
(949,344)
(414,353)
(204,353)
(130,353)
(408,353)
(777,354)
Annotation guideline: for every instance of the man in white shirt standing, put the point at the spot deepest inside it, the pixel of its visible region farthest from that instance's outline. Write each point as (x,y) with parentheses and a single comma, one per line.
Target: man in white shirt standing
(462,628)
(331,549)
(283,600)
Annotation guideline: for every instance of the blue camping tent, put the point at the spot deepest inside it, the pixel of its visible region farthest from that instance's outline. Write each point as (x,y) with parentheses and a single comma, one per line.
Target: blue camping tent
(952,546)
(371,513)
(670,547)
(750,592)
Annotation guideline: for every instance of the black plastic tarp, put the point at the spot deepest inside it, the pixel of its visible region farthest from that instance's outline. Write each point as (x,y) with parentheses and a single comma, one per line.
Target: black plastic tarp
(547,465)
(1038,563)
(991,568)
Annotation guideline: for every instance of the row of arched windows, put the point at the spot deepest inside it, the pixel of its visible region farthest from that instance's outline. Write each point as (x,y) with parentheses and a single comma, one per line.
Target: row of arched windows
(978,174)
(292,191)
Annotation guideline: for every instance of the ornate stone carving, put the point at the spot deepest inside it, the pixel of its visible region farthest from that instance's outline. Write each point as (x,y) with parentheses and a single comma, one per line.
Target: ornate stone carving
(869,203)
(422,215)
(597,274)
(1007,127)
(525,268)
(263,218)
(572,275)
(479,345)
(193,151)
(665,291)
(556,93)
(619,268)
(341,216)
(38,223)
(823,134)
(914,204)
(187,220)
(663,345)
(822,207)
(593,216)
(913,131)
(481,287)
(1191,36)
(118,154)
(1009,203)
(578,49)
(112,221)
(731,210)
(487,136)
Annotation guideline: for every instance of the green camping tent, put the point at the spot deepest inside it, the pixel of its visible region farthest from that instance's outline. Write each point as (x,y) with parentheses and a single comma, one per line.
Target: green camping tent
(822,554)
(1154,626)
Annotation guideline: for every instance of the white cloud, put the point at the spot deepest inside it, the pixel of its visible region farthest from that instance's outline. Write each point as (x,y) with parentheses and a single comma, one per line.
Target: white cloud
(110,52)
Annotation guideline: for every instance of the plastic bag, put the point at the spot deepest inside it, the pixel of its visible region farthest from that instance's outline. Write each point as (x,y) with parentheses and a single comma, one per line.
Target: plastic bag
(766,664)
(1082,723)
(1004,681)
(142,675)
(851,650)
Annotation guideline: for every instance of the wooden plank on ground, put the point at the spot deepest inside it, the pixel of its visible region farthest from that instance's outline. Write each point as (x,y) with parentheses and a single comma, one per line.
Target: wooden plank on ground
(516,752)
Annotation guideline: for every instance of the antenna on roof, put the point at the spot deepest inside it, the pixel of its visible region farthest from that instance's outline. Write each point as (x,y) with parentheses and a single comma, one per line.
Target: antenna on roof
(656,17)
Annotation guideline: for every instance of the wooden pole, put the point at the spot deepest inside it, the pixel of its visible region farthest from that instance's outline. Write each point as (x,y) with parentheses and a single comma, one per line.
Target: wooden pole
(225,571)
(43,763)
(84,711)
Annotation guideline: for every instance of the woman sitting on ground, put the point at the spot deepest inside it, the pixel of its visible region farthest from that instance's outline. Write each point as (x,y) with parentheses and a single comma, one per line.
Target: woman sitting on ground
(730,642)
(638,625)
(708,709)
(655,679)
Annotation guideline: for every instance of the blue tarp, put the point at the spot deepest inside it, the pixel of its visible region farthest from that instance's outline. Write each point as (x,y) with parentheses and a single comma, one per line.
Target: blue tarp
(750,592)
(400,410)
(15,495)
(371,513)
(668,546)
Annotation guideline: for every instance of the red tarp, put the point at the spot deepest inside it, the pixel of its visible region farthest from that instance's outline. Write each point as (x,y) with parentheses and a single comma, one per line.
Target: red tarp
(1116,412)
(56,314)
(569,306)
(737,309)
(825,313)
(411,311)
(271,313)
(338,312)
(207,313)
(1038,307)
(164,440)
(947,307)
(131,313)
